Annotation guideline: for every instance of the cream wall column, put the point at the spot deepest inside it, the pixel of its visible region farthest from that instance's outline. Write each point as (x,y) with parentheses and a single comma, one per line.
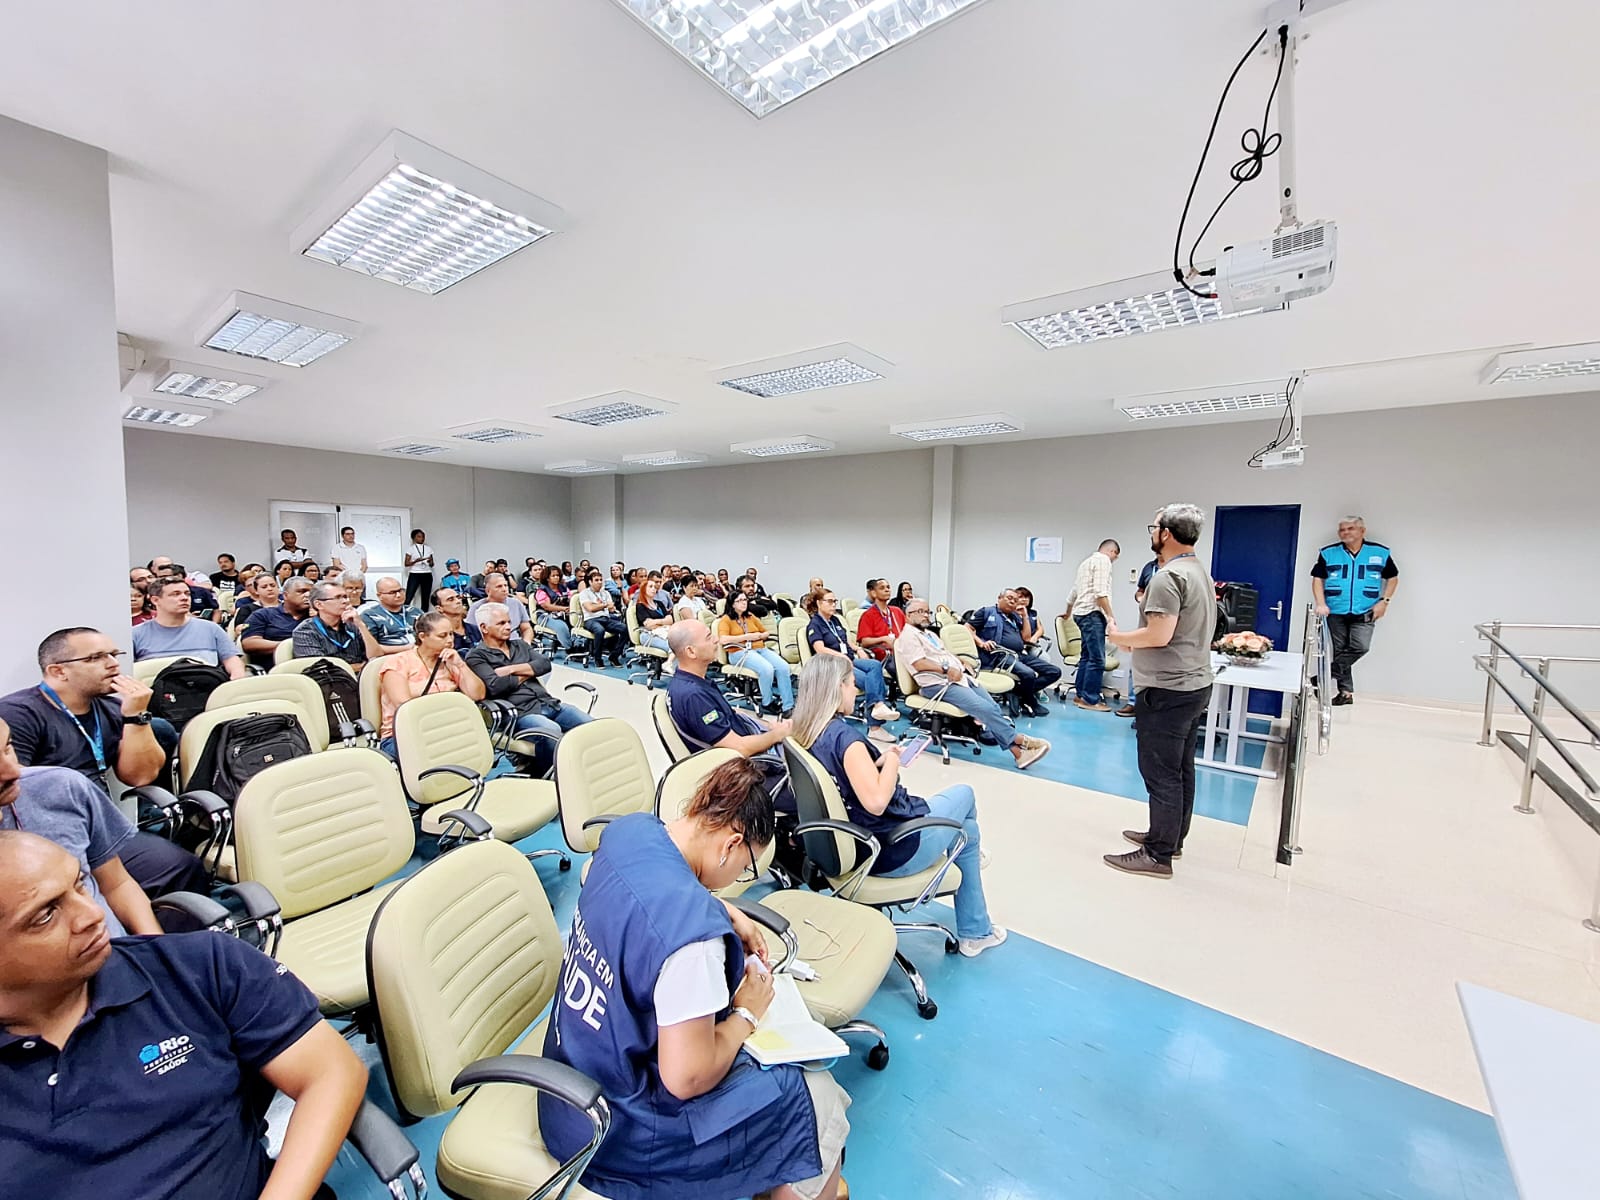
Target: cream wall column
(597,519)
(941,527)
(61,474)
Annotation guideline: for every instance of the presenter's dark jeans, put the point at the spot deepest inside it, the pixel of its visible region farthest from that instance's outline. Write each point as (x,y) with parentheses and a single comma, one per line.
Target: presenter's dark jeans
(1351,637)
(1092,657)
(1166,724)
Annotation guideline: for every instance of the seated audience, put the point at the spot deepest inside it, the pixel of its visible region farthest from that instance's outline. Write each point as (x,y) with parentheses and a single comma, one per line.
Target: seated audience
(354,584)
(393,622)
(716,588)
(348,554)
(138,605)
(880,623)
(552,604)
(869,783)
(510,670)
(309,570)
(261,591)
(226,576)
(902,594)
(448,602)
(601,619)
(940,675)
(617,584)
(283,571)
(455,578)
(653,611)
(1036,635)
(203,602)
(687,983)
(87,716)
(480,580)
(142,1066)
(826,634)
(335,630)
(140,576)
(760,606)
(1004,626)
(174,632)
(63,807)
(745,640)
(432,665)
(270,625)
(750,574)
(691,602)
(497,590)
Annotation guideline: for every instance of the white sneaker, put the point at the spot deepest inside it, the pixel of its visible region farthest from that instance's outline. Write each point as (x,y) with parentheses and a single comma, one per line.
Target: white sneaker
(882,712)
(879,734)
(972,947)
(1033,749)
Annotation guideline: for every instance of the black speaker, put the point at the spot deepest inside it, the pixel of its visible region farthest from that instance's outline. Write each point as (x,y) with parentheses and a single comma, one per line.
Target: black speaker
(1239,601)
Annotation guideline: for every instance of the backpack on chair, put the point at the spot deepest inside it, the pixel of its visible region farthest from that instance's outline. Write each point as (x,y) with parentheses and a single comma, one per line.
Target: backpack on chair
(182,689)
(241,749)
(342,695)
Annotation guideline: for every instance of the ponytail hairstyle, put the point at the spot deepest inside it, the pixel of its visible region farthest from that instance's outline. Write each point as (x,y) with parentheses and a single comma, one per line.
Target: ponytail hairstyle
(734,796)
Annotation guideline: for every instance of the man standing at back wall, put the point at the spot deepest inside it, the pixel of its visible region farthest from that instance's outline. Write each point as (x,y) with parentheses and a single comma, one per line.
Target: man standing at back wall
(1353,581)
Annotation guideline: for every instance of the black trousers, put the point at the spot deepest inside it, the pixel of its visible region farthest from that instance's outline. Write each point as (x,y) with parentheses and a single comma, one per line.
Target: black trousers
(1034,675)
(420,586)
(1166,724)
(610,636)
(1351,637)
(159,866)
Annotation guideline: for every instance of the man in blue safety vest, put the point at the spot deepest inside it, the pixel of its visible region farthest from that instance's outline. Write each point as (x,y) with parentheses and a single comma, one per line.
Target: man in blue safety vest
(1354,581)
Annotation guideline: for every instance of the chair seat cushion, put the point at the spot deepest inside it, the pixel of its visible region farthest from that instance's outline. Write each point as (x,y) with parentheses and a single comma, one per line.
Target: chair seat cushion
(884,890)
(515,807)
(491,1150)
(923,704)
(996,683)
(327,950)
(850,945)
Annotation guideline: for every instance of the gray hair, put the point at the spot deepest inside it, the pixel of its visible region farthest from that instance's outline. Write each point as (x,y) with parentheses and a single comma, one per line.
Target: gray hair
(354,577)
(326,591)
(1352,520)
(298,584)
(1183,521)
(816,699)
(491,611)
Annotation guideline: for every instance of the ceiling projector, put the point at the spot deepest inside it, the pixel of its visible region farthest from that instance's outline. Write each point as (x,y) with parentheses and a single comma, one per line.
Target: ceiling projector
(1292,264)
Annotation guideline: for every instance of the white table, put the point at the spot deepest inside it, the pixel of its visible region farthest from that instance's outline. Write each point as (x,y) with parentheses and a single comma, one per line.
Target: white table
(1540,1067)
(1227,718)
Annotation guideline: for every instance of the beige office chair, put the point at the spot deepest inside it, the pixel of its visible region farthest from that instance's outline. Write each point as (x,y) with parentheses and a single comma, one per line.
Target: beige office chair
(303,693)
(845,852)
(445,755)
(745,681)
(959,641)
(192,741)
(369,687)
(461,959)
(145,670)
(322,833)
(582,647)
(849,945)
(601,773)
(930,713)
(1069,640)
(651,659)
(661,717)
(942,616)
(850,604)
(284,652)
(298,666)
(791,640)
(852,618)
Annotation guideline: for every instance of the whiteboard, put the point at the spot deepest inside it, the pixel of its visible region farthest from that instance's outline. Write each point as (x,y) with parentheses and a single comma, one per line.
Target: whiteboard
(382,530)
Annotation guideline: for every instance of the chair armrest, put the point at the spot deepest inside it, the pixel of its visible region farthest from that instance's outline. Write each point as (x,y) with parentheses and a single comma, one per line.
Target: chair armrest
(768,919)
(202,910)
(258,903)
(529,1070)
(209,803)
(157,797)
(474,824)
(917,824)
(387,1150)
(587,687)
(844,827)
(466,773)
(857,874)
(602,819)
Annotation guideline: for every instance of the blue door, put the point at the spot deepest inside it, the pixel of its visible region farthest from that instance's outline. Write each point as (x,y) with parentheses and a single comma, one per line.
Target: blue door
(1256,544)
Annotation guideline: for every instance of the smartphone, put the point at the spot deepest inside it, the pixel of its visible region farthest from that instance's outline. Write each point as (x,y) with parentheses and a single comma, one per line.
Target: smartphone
(909,752)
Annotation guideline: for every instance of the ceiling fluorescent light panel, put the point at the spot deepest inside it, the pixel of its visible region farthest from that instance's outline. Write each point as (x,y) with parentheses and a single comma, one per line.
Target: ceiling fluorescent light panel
(172,418)
(195,382)
(774,447)
(1145,304)
(807,371)
(493,433)
(415,216)
(581,466)
(665,458)
(413,449)
(612,408)
(765,53)
(953,428)
(256,327)
(1213,406)
(1549,363)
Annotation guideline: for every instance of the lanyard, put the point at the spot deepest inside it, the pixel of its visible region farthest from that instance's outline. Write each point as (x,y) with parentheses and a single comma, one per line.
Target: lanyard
(328,633)
(97,741)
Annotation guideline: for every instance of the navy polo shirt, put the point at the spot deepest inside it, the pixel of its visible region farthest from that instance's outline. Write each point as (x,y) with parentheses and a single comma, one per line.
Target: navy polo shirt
(273,624)
(831,634)
(44,736)
(159,1087)
(702,713)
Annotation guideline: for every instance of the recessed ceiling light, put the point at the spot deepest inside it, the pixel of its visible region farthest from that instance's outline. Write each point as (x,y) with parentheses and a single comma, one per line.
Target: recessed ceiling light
(765,53)
(205,383)
(1537,366)
(664,458)
(173,418)
(255,327)
(493,433)
(1210,402)
(412,449)
(415,216)
(612,408)
(581,466)
(772,447)
(951,428)
(824,367)
(1142,305)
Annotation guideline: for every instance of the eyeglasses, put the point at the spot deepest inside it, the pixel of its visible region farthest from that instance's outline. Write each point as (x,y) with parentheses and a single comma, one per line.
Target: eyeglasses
(105,656)
(1151,528)
(911,611)
(752,874)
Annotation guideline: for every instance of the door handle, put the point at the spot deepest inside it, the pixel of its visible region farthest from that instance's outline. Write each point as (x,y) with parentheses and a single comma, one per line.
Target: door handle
(1277,610)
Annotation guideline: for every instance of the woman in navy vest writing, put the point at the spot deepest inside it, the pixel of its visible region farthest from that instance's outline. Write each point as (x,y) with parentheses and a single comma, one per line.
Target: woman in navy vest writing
(661,984)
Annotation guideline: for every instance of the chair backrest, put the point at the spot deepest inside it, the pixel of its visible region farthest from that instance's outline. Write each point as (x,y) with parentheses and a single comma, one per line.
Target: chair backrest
(438,730)
(850,605)
(817,798)
(803,643)
(284,652)
(461,959)
(661,716)
(903,676)
(575,612)
(192,742)
(319,829)
(791,635)
(601,770)
(633,625)
(786,596)
(145,670)
(958,639)
(677,788)
(296,689)
(298,666)
(770,624)
(942,616)
(1069,638)
(369,686)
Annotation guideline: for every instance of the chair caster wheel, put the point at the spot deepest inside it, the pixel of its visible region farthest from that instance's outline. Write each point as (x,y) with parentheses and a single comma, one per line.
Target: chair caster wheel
(928,1010)
(951,946)
(878,1057)
(566,863)
(976,751)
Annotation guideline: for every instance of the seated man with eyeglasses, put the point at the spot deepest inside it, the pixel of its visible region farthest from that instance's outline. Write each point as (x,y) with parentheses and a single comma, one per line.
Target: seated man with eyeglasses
(89,717)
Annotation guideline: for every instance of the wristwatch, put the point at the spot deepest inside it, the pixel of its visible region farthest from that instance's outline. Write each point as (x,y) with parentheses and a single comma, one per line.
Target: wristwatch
(138,718)
(741,1011)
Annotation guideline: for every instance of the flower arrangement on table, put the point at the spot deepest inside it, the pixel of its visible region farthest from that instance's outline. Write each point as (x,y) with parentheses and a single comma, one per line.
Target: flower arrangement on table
(1245,649)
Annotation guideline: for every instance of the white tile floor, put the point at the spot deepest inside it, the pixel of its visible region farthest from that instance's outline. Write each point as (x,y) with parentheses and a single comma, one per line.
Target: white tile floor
(1416,874)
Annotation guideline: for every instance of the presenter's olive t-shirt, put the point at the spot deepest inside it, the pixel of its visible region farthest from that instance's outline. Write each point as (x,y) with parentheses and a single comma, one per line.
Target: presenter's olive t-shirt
(1182,587)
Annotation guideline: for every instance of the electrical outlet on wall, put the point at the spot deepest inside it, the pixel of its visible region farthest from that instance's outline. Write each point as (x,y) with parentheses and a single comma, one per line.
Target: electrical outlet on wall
(586,547)
(765,559)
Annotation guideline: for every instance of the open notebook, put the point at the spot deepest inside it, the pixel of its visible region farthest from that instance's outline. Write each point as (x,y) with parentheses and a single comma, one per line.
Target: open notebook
(788,1034)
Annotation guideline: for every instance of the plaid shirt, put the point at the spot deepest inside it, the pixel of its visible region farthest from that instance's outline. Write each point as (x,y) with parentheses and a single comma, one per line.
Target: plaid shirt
(1093,581)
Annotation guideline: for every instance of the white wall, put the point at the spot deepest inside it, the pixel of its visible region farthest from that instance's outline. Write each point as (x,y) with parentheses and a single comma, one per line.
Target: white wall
(1485,506)
(61,485)
(596,520)
(842,518)
(194,498)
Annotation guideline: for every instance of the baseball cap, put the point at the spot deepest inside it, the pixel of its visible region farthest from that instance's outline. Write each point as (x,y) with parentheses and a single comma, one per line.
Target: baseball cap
(452,562)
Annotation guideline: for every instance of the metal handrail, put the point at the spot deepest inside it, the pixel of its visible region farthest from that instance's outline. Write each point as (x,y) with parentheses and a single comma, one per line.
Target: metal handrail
(1317,654)
(1545,685)
(1535,715)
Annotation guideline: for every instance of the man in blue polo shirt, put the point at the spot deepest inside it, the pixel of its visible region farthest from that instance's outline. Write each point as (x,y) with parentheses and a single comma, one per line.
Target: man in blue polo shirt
(160,1091)
(393,622)
(269,626)
(1000,626)
(704,717)
(1353,582)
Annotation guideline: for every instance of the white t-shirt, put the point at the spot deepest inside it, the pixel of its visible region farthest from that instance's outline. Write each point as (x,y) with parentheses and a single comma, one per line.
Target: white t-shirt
(589,596)
(693,983)
(350,557)
(298,555)
(420,550)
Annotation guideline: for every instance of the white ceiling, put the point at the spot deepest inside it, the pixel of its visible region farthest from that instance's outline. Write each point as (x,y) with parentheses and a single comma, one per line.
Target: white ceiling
(1025,148)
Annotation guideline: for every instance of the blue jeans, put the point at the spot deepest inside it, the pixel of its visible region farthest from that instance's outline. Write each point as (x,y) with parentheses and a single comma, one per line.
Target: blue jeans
(869,678)
(981,707)
(958,803)
(770,667)
(566,717)
(654,638)
(1092,657)
(557,626)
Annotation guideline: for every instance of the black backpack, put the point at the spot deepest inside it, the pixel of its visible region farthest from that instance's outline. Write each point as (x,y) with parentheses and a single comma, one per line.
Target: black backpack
(240,749)
(182,689)
(341,694)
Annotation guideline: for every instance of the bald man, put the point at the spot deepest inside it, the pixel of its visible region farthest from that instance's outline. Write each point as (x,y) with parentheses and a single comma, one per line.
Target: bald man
(158,1092)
